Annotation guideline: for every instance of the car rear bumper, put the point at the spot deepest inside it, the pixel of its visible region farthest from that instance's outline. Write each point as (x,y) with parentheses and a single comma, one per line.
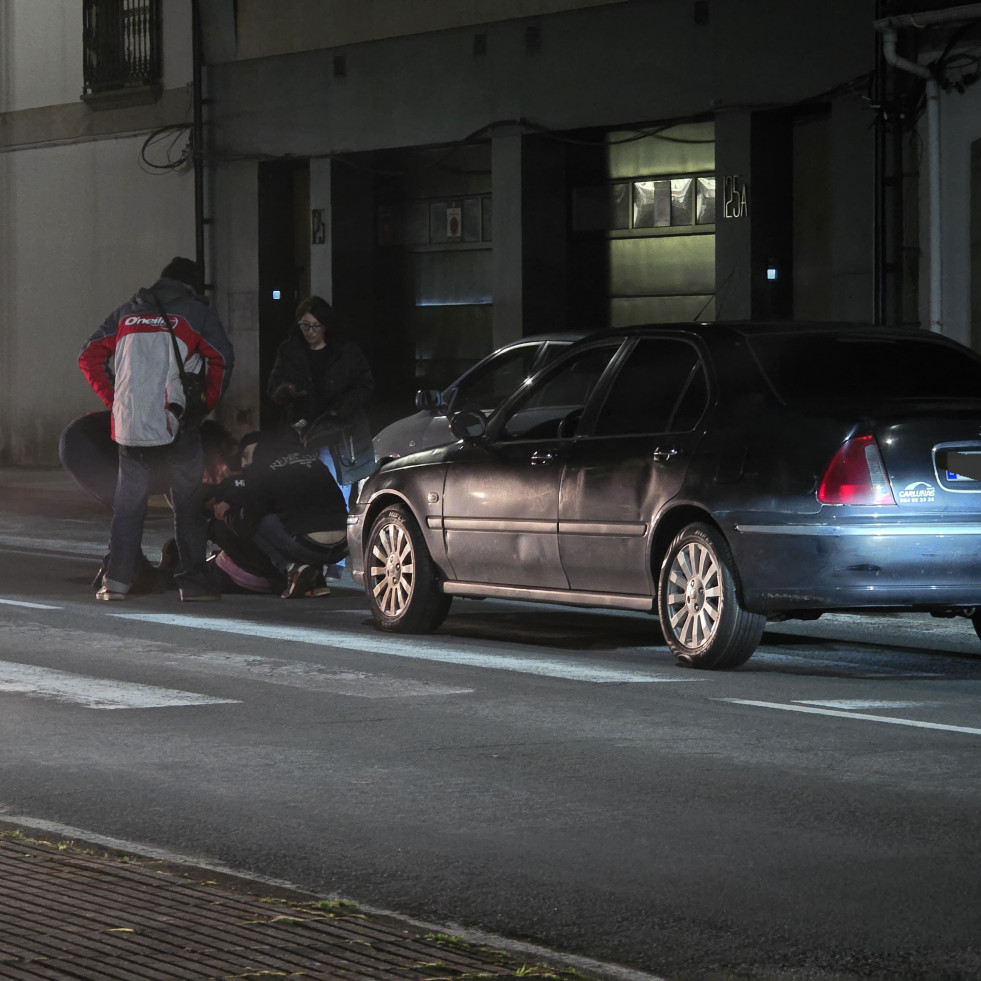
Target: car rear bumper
(859,565)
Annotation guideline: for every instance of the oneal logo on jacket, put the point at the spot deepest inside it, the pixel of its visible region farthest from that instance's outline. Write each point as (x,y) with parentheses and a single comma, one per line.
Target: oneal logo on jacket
(157,321)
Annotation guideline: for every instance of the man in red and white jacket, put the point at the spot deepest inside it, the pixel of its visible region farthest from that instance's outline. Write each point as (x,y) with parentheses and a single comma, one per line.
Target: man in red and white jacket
(131,364)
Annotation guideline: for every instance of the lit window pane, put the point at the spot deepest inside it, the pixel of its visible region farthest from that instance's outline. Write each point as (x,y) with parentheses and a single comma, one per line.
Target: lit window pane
(681,203)
(652,204)
(705,201)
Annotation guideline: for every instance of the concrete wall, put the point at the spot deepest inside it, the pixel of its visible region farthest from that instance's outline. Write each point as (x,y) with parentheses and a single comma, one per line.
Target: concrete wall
(960,126)
(83,223)
(300,25)
(83,228)
(614,65)
(628,63)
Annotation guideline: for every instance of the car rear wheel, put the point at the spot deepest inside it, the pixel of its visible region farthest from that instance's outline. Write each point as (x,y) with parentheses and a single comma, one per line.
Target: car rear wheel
(976,620)
(703,621)
(400,577)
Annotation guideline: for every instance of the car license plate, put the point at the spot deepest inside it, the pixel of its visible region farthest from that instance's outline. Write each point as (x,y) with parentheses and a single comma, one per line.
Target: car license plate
(960,467)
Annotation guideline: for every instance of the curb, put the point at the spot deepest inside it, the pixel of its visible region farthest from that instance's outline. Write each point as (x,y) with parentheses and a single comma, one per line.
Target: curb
(71,912)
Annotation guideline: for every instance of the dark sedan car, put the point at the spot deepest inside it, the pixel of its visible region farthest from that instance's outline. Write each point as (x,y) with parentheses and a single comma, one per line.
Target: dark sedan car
(715,474)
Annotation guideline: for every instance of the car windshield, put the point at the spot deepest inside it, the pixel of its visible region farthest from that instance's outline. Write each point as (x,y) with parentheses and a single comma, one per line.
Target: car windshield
(837,366)
(488,385)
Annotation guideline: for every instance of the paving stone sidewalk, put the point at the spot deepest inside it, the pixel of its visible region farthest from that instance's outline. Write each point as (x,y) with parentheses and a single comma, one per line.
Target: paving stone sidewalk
(73,913)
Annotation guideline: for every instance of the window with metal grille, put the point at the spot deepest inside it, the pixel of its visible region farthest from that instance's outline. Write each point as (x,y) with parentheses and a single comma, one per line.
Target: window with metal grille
(121,40)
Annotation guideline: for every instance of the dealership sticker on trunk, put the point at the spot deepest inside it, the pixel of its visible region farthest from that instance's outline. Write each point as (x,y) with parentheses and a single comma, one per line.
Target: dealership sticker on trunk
(919,492)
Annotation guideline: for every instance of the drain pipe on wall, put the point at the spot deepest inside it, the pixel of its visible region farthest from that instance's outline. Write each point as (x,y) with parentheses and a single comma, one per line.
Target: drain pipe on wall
(889,28)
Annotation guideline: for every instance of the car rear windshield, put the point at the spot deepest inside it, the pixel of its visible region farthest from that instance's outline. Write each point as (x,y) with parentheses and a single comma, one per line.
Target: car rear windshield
(808,366)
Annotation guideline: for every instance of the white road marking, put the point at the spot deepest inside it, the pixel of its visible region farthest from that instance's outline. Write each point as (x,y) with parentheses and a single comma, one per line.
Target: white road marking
(31,606)
(851,704)
(852,715)
(95,693)
(309,677)
(18,637)
(868,670)
(444,653)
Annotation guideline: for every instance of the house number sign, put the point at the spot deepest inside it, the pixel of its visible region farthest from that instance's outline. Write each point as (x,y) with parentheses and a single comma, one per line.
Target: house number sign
(734,197)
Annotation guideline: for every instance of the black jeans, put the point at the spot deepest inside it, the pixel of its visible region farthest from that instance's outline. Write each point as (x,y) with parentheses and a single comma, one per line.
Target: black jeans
(183,462)
(283,548)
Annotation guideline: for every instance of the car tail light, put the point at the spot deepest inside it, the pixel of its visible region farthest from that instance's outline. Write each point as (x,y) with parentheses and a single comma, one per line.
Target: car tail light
(856,475)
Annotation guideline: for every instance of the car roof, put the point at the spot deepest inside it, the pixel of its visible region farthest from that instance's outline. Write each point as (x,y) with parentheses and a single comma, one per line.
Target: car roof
(762,328)
(558,335)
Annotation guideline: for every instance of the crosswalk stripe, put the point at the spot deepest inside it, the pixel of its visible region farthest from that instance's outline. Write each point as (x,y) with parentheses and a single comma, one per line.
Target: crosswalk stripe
(861,716)
(94,693)
(300,674)
(445,653)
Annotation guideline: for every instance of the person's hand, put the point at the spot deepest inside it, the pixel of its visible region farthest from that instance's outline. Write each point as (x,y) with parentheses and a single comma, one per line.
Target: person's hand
(174,413)
(221,509)
(287,391)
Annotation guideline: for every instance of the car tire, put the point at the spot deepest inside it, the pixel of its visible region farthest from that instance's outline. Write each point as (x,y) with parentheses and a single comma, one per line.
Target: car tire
(703,620)
(976,620)
(400,577)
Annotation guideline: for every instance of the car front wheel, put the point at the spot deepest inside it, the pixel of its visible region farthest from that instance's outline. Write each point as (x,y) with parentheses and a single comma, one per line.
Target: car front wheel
(701,616)
(400,577)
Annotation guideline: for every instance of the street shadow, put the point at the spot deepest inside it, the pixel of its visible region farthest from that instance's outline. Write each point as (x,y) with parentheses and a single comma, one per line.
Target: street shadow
(565,629)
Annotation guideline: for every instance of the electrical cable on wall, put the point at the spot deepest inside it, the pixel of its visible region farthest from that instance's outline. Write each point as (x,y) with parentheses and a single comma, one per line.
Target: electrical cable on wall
(175,156)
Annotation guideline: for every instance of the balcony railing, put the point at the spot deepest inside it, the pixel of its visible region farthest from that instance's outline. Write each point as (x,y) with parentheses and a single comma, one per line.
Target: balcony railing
(121,40)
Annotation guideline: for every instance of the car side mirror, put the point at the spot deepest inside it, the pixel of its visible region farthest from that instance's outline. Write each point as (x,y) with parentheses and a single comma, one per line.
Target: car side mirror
(468,424)
(429,399)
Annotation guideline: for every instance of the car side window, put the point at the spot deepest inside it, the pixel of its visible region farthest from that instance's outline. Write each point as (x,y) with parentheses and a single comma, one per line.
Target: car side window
(486,388)
(552,408)
(661,387)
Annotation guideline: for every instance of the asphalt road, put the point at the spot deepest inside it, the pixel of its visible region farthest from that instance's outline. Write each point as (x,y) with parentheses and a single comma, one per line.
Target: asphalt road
(541,773)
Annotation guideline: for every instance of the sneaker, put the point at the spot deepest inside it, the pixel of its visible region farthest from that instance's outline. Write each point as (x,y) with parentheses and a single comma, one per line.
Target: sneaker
(333,572)
(169,557)
(144,576)
(97,583)
(300,579)
(105,593)
(319,588)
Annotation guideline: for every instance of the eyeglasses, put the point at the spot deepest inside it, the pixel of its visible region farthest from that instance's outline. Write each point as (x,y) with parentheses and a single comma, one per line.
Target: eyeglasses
(303,325)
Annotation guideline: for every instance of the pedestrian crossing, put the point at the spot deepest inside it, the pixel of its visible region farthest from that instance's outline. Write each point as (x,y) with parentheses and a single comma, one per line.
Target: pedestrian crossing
(132,652)
(421,649)
(94,693)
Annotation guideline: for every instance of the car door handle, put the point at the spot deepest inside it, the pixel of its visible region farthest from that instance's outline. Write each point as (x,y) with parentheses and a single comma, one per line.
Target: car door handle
(543,457)
(663,454)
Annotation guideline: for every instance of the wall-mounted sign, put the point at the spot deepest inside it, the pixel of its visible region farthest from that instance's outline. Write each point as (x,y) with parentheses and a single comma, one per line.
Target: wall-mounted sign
(734,197)
(454,224)
(318,226)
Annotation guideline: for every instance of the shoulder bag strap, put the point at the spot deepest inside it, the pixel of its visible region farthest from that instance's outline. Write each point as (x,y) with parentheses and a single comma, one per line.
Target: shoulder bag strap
(173,339)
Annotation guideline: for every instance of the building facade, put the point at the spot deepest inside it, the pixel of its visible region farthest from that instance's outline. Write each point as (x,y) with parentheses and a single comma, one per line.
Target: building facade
(453,176)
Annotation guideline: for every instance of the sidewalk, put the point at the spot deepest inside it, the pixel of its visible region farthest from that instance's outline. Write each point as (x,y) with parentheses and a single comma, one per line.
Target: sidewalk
(50,490)
(72,912)
(40,488)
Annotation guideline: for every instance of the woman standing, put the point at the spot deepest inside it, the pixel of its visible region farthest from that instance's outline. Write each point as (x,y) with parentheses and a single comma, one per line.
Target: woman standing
(324,382)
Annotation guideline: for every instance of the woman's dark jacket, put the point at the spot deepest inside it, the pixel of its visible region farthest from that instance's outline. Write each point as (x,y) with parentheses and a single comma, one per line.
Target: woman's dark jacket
(336,417)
